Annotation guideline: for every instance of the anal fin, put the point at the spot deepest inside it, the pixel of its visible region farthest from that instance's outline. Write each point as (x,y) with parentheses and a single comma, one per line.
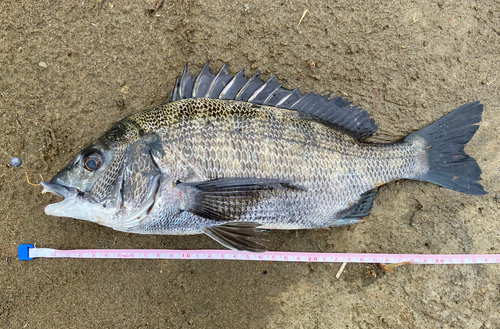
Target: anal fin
(241,236)
(363,206)
(354,214)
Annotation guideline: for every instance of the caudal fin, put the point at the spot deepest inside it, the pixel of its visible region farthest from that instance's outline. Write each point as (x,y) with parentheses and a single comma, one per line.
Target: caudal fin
(444,140)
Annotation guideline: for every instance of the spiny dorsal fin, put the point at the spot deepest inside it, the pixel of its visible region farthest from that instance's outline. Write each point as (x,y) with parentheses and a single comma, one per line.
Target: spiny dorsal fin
(337,111)
(219,82)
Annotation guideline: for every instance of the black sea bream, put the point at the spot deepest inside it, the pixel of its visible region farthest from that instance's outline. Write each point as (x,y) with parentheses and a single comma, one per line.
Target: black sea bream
(233,157)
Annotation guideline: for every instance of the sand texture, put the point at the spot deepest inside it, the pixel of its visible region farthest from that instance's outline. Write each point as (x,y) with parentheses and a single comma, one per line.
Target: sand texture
(70,69)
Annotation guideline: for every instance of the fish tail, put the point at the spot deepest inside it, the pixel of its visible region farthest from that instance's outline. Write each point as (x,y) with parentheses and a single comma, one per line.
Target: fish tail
(444,161)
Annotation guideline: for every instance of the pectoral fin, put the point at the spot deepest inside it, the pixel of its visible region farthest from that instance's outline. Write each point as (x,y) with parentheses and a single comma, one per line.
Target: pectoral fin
(229,199)
(242,236)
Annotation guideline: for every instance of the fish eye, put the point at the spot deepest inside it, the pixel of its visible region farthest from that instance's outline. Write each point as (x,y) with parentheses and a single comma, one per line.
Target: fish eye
(92,161)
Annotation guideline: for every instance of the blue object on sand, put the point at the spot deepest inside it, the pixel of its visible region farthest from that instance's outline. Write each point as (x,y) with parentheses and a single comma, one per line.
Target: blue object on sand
(23,251)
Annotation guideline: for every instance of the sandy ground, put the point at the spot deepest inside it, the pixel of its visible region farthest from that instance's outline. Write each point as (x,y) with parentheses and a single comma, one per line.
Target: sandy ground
(70,69)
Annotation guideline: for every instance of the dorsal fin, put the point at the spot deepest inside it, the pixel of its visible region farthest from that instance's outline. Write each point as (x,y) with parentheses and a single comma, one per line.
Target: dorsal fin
(337,111)
(254,83)
(219,82)
(202,82)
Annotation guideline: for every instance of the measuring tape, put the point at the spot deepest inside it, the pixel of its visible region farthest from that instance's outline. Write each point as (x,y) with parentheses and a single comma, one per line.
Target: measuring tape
(28,252)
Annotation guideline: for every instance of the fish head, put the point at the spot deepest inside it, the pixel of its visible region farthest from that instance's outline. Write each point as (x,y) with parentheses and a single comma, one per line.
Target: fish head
(113,182)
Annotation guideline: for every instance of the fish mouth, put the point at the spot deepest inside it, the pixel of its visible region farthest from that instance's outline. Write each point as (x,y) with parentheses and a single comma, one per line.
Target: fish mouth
(70,195)
(61,190)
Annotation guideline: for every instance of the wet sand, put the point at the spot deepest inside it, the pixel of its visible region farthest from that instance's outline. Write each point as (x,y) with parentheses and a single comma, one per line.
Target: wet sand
(70,69)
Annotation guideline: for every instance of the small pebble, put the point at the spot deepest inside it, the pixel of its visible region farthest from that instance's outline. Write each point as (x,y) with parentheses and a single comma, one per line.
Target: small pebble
(43,64)
(15,161)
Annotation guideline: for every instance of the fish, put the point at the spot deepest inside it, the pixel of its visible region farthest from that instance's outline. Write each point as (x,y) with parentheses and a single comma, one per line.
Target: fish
(234,157)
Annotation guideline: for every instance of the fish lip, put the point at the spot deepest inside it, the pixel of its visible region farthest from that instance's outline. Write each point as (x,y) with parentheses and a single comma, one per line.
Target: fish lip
(61,190)
(70,195)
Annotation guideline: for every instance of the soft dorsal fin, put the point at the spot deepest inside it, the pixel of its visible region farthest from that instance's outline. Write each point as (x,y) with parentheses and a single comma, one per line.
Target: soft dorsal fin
(337,111)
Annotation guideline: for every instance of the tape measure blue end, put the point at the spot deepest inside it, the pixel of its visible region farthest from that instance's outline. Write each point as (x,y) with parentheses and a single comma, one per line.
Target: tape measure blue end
(23,251)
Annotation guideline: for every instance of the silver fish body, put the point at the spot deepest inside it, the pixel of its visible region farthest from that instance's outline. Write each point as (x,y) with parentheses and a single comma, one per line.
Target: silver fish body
(232,166)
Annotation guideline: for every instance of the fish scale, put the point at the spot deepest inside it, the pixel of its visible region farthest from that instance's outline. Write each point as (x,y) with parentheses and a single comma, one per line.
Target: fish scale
(273,143)
(231,157)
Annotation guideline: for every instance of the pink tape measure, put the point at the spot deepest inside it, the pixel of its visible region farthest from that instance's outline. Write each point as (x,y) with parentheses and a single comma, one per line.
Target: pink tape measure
(28,252)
